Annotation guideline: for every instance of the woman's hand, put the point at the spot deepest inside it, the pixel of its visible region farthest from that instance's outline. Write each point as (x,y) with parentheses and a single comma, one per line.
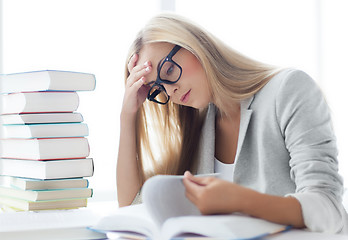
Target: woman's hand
(135,90)
(128,177)
(213,196)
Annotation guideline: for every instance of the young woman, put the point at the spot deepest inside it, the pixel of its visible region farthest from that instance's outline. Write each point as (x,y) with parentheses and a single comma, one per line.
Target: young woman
(267,131)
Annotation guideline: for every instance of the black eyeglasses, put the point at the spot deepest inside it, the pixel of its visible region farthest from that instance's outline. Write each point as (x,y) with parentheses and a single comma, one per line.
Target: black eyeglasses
(169,72)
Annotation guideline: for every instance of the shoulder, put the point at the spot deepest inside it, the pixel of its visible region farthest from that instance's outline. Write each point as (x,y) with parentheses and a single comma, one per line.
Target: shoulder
(291,93)
(291,79)
(296,86)
(290,85)
(300,101)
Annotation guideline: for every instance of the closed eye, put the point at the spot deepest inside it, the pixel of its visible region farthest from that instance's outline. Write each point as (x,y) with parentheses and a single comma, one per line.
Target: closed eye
(170,69)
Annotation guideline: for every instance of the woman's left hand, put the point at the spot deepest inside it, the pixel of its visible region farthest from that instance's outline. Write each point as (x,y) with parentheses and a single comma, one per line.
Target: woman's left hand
(215,196)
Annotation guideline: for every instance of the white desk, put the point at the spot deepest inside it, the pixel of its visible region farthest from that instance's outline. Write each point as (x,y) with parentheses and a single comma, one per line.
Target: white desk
(54,225)
(78,231)
(304,235)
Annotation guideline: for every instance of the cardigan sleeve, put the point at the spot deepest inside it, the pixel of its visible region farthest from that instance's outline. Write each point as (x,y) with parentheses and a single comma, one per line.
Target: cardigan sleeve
(305,122)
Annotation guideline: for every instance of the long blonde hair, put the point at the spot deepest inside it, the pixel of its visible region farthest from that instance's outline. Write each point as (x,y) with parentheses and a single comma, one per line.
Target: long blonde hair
(173,131)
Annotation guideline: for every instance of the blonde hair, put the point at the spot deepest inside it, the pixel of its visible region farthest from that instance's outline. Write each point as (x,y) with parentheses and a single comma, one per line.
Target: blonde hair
(231,78)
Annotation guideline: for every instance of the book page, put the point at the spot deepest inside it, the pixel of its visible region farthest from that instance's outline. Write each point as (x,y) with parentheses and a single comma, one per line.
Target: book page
(232,226)
(164,197)
(131,220)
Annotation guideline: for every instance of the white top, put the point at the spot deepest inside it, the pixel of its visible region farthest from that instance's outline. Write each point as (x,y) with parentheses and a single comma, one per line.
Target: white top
(225,169)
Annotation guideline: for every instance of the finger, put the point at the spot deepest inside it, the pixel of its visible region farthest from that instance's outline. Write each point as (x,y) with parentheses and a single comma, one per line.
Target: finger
(137,85)
(139,67)
(203,181)
(136,75)
(132,62)
(190,190)
(191,197)
(192,187)
(188,174)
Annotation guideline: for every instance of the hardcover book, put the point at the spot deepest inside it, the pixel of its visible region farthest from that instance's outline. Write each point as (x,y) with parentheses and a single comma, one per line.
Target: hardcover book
(38,184)
(45,148)
(53,169)
(43,205)
(47,80)
(36,102)
(34,118)
(39,195)
(52,130)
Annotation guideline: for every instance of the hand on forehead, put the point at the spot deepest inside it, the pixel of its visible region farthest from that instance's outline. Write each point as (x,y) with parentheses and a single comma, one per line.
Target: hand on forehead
(152,54)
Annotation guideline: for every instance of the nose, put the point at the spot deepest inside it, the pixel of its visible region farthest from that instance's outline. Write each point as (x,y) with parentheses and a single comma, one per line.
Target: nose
(170,88)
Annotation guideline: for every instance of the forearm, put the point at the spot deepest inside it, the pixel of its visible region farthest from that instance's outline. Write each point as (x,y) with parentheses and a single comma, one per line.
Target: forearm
(128,181)
(283,210)
(216,196)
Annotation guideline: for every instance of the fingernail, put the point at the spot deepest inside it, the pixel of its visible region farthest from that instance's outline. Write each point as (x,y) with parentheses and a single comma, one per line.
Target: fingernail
(147,69)
(146,63)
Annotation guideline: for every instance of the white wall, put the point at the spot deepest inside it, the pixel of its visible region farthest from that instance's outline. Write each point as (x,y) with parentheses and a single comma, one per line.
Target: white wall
(80,35)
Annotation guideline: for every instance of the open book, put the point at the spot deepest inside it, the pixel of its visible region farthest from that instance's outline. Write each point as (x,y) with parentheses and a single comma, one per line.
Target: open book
(166,213)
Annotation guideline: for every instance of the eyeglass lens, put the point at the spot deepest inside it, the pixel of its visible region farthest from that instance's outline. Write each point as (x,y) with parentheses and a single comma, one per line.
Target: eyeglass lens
(158,94)
(170,72)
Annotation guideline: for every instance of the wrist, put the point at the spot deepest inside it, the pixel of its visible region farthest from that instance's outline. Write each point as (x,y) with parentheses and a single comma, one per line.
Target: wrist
(126,117)
(250,201)
(283,210)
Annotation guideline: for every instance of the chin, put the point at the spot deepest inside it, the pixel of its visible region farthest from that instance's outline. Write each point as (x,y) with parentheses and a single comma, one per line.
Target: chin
(200,105)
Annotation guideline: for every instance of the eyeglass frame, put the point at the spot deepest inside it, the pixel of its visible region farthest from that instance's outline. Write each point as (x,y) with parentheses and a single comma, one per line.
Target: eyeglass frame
(159,80)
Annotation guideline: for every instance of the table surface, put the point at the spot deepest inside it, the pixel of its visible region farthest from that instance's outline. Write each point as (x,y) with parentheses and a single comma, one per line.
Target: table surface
(105,208)
(296,234)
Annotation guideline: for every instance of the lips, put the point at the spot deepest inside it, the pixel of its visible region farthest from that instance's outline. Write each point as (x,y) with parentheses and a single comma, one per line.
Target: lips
(185,97)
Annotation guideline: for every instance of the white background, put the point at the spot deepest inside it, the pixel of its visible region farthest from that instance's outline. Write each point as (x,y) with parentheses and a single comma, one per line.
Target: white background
(94,36)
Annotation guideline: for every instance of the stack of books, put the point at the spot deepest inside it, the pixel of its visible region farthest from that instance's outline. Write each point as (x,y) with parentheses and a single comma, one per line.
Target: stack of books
(44,150)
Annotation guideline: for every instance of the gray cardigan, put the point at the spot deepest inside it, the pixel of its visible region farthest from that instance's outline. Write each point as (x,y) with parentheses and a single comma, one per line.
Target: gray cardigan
(286,146)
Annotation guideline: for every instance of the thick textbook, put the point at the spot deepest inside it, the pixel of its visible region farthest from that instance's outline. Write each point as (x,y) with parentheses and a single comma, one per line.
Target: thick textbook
(38,184)
(34,118)
(45,148)
(166,213)
(39,195)
(36,102)
(47,80)
(53,169)
(43,205)
(51,130)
